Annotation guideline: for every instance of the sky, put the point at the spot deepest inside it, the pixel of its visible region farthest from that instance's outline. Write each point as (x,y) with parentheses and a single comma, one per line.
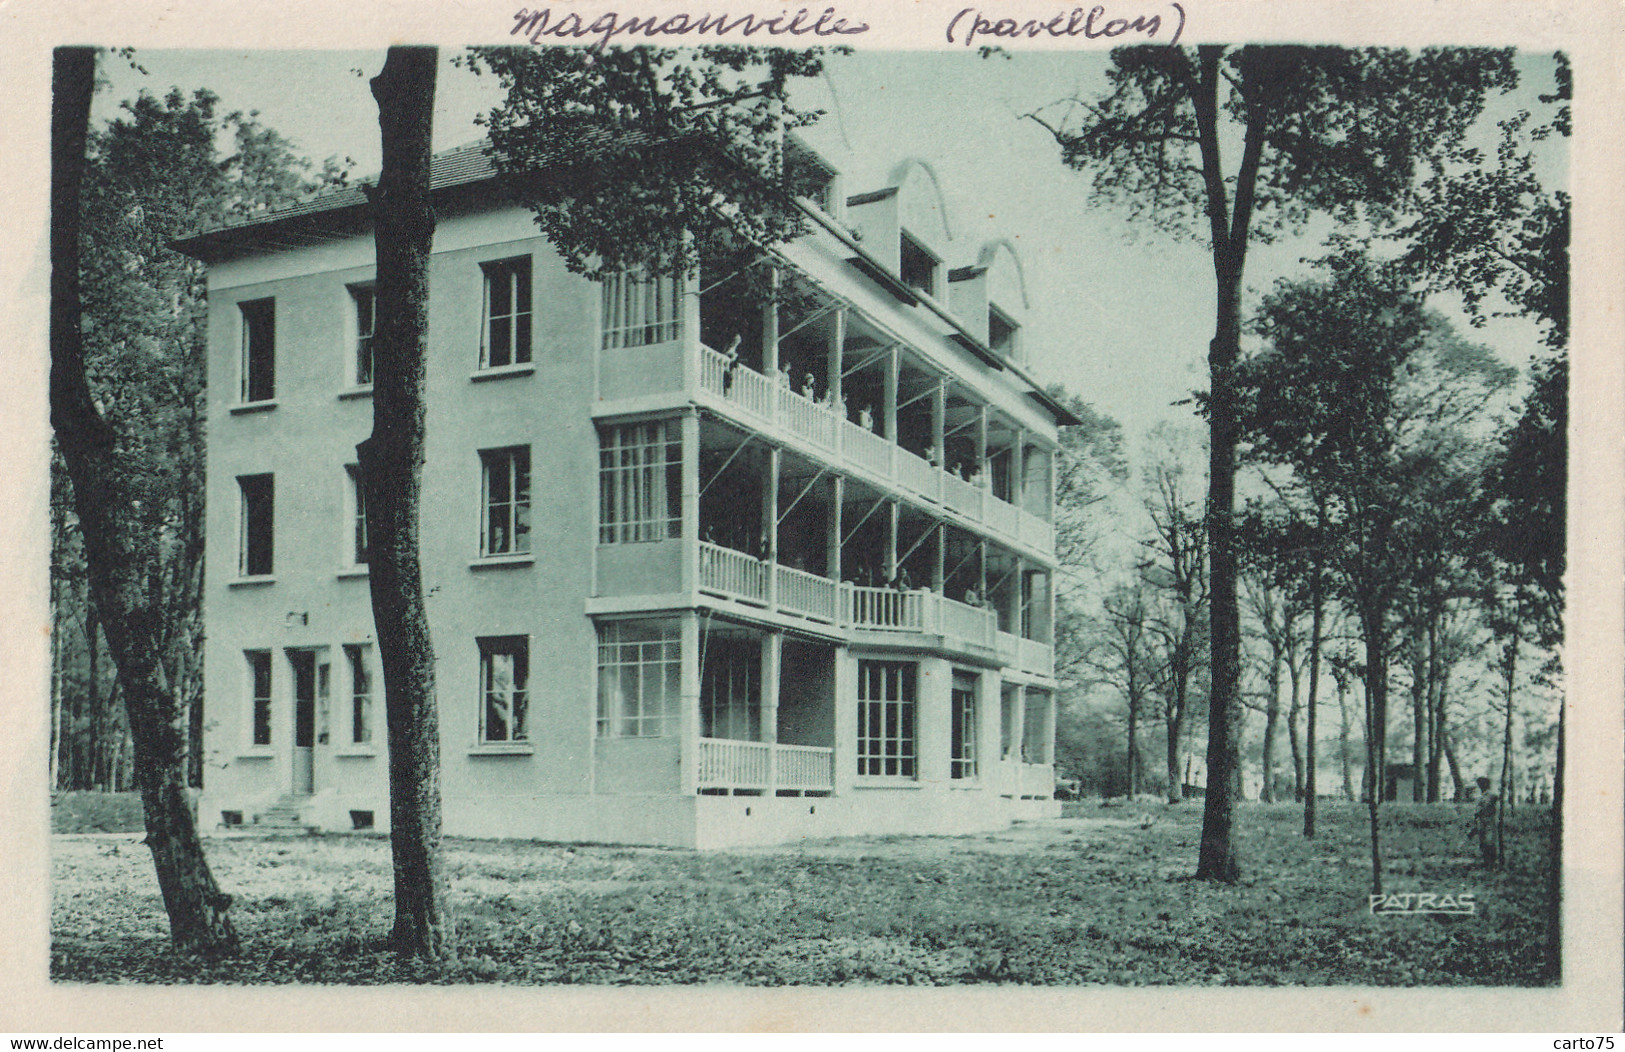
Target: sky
(1120,313)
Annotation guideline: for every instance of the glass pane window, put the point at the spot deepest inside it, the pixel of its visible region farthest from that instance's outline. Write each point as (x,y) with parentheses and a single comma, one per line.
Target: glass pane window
(505,529)
(962,733)
(258,369)
(355,656)
(507,325)
(256,524)
(357,516)
(886,705)
(259,678)
(637,311)
(639,679)
(639,483)
(365,300)
(504,675)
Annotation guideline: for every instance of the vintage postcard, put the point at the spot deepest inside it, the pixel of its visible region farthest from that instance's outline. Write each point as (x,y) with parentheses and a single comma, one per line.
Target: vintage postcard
(862,516)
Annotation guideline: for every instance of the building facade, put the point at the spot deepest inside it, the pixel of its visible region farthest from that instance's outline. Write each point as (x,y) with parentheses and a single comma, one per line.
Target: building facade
(703,567)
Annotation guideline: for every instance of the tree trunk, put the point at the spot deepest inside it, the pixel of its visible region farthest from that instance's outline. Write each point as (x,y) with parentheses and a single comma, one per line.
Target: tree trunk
(119,558)
(391,461)
(1294,739)
(1458,785)
(1554,870)
(52,772)
(1509,666)
(1344,753)
(1316,606)
(90,703)
(1133,744)
(1376,747)
(1272,719)
(1419,707)
(1176,724)
(1217,859)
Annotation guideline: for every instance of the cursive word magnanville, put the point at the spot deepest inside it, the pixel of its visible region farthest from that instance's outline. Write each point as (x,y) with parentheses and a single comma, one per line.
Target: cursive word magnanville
(538,26)
(1091,24)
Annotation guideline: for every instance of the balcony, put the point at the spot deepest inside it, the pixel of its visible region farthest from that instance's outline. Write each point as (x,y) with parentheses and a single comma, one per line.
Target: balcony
(764,767)
(768,406)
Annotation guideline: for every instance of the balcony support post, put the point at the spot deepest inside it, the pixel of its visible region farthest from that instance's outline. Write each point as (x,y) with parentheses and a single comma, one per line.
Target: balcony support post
(939,566)
(981,463)
(770,526)
(889,566)
(939,433)
(837,341)
(1018,729)
(772,663)
(689,528)
(688,717)
(832,532)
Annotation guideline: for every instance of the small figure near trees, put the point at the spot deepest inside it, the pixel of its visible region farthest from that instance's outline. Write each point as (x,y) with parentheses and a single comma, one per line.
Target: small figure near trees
(1483,828)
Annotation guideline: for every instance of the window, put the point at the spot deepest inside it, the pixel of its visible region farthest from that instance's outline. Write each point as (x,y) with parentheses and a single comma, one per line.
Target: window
(962,755)
(505,339)
(731,686)
(357,516)
(808,176)
(639,483)
(365,321)
(355,655)
(886,718)
(259,676)
(255,530)
(1001,333)
(504,672)
(639,679)
(917,267)
(259,350)
(506,504)
(1035,727)
(637,311)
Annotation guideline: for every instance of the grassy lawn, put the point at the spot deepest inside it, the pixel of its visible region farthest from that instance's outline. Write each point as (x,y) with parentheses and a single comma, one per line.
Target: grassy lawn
(88,812)
(1099,898)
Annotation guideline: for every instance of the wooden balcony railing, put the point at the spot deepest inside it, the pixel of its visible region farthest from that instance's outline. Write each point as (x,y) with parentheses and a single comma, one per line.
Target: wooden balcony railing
(764,766)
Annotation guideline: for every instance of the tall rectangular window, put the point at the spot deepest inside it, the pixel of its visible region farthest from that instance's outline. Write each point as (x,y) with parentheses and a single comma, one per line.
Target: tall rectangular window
(259,678)
(504,674)
(962,733)
(639,679)
(637,311)
(506,332)
(640,474)
(357,515)
(731,686)
(355,656)
(506,504)
(255,532)
(1035,727)
(886,744)
(365,300)
(259,350)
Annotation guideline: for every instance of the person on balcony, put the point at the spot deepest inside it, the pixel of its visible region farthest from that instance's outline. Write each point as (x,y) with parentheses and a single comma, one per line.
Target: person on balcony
(809,388)
(866,419)
(730,362)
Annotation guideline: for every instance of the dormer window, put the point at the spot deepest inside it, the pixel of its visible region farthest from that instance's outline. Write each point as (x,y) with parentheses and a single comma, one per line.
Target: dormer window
(808,176)
(917,266)
(1001,333)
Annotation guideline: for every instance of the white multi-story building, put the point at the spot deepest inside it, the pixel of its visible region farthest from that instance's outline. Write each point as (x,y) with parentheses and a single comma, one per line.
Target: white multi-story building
(700,571)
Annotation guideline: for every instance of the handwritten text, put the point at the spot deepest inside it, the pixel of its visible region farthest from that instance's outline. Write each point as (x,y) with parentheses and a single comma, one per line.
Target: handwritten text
(1092,24)
(538,26)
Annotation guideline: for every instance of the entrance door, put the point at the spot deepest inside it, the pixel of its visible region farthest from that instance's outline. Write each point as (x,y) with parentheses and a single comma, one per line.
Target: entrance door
(303,663)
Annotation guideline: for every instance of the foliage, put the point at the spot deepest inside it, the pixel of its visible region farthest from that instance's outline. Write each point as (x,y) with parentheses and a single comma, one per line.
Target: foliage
(651,158)
(154,174)
(1098,899)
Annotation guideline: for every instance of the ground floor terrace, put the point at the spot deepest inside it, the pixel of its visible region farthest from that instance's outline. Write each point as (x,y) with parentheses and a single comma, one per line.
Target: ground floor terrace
(707,730)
